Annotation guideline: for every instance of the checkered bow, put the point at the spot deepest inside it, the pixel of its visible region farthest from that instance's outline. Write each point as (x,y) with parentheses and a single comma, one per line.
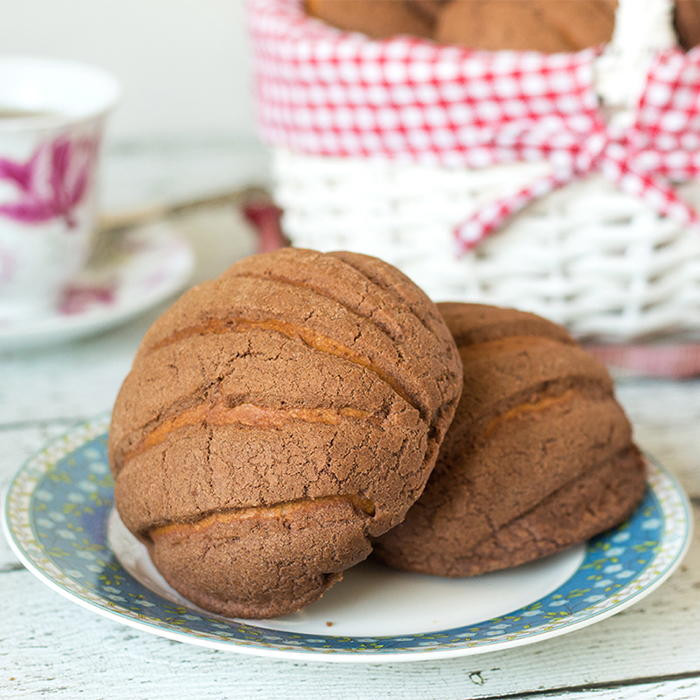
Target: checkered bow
(325,92)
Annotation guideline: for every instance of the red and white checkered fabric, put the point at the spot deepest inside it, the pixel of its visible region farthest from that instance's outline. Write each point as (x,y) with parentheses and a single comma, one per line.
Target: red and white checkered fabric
(325,92)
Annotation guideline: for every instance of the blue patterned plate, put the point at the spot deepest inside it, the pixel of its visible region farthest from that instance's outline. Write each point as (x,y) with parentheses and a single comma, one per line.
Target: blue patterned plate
(60,523)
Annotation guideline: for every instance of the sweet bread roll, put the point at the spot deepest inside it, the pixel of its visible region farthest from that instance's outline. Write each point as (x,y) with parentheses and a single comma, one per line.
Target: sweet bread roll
(539,456)
(538,25)
(379,19)
(277,418)
(687,21)
(549,26)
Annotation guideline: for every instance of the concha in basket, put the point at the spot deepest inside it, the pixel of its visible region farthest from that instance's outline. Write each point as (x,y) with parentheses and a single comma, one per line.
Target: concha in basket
(377,18)
(277,418)
(687,22)
(591,155)
(526,25)
(539,456)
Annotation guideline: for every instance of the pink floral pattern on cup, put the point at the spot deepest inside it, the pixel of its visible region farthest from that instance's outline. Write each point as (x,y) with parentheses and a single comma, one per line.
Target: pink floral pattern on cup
(52,182)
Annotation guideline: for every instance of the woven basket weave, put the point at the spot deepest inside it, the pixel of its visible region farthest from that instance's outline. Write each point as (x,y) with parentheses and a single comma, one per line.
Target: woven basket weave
(589,256)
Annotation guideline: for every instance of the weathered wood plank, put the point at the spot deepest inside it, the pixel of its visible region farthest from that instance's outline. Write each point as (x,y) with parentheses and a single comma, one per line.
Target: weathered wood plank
(641,689)
(49,645)
(70,381)
(666,416)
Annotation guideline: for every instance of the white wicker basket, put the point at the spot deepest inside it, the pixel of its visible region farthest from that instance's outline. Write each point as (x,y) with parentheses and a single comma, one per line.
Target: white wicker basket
(590,256)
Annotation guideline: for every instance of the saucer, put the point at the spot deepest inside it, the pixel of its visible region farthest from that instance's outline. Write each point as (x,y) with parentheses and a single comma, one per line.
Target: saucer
(142,268)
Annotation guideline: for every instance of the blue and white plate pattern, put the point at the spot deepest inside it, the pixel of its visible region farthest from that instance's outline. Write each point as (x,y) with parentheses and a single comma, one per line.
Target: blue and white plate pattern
(56,517)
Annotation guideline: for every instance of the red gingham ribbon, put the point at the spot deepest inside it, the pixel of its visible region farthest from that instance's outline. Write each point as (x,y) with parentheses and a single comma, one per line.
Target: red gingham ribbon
(326,92)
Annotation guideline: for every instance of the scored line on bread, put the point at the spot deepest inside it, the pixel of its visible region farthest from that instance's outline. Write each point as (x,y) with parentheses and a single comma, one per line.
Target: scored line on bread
(246,414)
(314,340)
(359,503)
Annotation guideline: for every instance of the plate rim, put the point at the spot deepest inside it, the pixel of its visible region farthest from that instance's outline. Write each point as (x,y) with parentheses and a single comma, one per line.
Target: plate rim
(331,655)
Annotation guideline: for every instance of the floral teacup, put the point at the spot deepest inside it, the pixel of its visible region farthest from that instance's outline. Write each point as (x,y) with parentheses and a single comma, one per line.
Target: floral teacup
(52,116)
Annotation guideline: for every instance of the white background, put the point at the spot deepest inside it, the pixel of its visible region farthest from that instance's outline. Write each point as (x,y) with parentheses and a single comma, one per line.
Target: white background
(183,64)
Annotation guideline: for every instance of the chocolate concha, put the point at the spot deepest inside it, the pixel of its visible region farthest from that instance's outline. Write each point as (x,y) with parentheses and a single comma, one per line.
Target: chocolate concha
(275,420)
(687,22)
(550,26)
(539,456)
(379,19)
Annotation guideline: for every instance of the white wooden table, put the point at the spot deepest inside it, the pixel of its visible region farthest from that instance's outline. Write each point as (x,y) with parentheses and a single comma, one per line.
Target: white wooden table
(49,646)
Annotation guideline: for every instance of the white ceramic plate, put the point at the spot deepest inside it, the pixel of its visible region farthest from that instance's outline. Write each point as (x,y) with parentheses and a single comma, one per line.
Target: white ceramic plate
(143,268)
(60,523)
